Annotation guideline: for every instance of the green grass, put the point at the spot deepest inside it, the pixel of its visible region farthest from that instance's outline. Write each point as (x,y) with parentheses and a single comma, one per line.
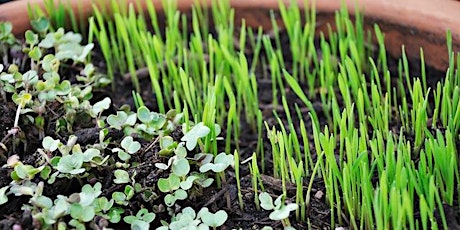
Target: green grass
(205,73)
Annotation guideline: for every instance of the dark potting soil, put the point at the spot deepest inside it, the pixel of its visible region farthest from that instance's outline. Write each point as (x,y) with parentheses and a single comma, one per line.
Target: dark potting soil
(147,174)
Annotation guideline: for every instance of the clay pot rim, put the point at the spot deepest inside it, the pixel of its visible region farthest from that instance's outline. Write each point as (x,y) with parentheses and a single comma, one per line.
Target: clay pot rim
(414,23)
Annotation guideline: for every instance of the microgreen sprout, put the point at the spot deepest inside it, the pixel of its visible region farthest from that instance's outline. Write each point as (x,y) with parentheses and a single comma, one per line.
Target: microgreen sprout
(280,211)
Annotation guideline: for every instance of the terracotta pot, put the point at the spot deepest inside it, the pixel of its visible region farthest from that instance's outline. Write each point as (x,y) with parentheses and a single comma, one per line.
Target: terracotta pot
(413,23)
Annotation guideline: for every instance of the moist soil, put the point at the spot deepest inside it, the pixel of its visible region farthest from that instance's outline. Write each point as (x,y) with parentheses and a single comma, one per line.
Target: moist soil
(147,174)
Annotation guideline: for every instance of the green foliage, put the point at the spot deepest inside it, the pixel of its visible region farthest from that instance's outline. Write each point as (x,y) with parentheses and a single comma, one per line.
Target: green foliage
(213,219)
(204,219)
(141,220)
(221,162)
(280,210)
(121,177)
(121,119)
(3,196)
(192,136)
(33,89)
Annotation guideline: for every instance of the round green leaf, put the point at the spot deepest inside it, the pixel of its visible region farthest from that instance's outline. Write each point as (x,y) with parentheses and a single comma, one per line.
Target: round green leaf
(143,113)
(213,219)
(283,212)
(40,24)
(130,145)
(266,201)
(121,177)
(169,184)
(181,167)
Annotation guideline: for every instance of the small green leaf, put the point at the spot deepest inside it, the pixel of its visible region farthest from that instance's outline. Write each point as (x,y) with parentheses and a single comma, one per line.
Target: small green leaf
(40,24)
(100,106)
(140,225)
(124,156)
(283,212)
(129,191)
(191,137)
(35,53)
(83,213)
(115,214)
(166,142)
(63,88)
(3,196)
(180,194)
(71,164)
(31,37)
(213,219)
(47,42)
(119,198)
(45,173)
(266,201)
(221,162)
(50,63)
(50,144)
(42,202)
(170,200)
(121,177)
(103,204)
(130,145)
(119,120)
(169,184)
(188,183)
(206,183)
(143,113)
(5,28)
(88,194)
(22,99)
(181,167)
(21,171)
(91,153)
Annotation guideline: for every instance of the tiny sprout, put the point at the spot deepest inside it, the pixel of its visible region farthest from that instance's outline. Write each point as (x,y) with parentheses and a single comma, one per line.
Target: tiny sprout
(188,183)
(3,196)
(191,137)
(141,220)
(181,167)
(100,106)
(169,184)
(49,144)
(170,199)
(121,177)
(280,211)
(221,162)
(89,194)
(151,119)
(130,145)
(22,99)
(121,119)
(213,219)
(40,24)
(50,63)
(31,37)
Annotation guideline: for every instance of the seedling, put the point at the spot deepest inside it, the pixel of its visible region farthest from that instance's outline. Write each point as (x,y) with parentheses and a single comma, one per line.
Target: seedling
(280,210)
(191,137)
(141,220)
(213,220)
(188,218)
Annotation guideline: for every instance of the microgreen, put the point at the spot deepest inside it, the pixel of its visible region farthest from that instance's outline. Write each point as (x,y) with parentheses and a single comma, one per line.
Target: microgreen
(141,220)
(192,136)
(213,220)
(280,211)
